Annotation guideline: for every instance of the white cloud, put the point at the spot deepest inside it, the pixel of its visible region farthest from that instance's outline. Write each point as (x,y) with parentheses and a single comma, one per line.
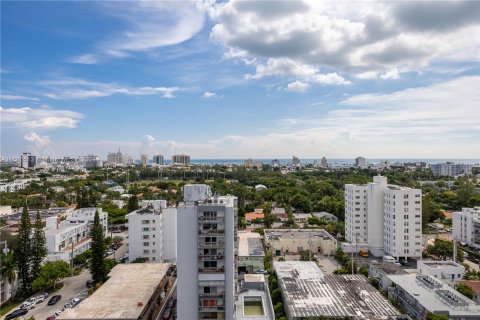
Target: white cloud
(84,59)
(298,86)
(40,118)
(369,39)
(208,94)
(39,145)
(74,88)
(14,97)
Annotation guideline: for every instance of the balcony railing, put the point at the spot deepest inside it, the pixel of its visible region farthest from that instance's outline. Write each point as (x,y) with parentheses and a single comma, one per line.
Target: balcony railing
(211,231)
(213,219)
(212,270)
(218,244)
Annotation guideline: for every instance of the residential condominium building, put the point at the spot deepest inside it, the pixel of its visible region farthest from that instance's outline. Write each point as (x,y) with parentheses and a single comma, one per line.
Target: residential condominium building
(144,159)
(158,159)
(466,226)
(118,158)
(206,265)
(387,218)
(152,233)
(71,237)
(181,159)
(361,162)
(451,169)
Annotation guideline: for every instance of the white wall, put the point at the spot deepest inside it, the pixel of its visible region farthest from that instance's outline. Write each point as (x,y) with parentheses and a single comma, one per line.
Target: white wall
(375,211)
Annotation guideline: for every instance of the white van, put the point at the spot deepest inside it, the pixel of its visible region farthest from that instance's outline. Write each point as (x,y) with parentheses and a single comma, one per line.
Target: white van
(389,259)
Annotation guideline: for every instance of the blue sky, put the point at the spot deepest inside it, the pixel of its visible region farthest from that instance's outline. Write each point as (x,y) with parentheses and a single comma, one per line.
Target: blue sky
(241,79)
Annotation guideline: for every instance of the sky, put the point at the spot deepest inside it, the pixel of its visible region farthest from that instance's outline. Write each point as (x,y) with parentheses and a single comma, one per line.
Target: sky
(241,79)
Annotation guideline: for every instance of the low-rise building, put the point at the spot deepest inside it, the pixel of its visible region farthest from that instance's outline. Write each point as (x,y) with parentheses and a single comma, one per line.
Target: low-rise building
(309,294)
(250,252)
(420,294)
(451,169)
(118,189)
(250,217)
(254,302)
(152,233)
(475,285)
(294,241)
(447,271)
(381,271)
(133,292)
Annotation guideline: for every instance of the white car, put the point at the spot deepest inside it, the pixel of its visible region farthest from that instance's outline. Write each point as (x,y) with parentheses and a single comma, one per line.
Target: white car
(57,313)
(28,306)
(75,301)
(39,299)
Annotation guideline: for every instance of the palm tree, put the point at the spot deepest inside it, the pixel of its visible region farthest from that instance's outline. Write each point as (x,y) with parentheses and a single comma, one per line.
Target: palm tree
(8,270)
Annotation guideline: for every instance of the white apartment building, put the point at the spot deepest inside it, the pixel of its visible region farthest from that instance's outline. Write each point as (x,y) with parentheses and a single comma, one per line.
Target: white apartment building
(356,213)
(402,222)
(451,169)
(387,218)
(466,226)
(152,233)
(206,266)
(14,186)
(74,231)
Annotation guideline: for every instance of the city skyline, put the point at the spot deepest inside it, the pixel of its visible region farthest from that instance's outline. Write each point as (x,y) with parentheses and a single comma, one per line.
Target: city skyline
(241,79)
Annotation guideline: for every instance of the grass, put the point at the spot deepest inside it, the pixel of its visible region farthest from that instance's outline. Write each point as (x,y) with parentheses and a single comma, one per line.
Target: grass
(9,307)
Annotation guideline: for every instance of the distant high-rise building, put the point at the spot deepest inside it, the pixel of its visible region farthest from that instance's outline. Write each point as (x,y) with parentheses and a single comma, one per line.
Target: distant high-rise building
(361,162)
(181,159)
(91,161)
(275,163)
(386,217)
(451,169)
(118,158)
(144,159)
(32,162)
(158,159)
(324,162)
(206,263)
(24,160)
(295,161)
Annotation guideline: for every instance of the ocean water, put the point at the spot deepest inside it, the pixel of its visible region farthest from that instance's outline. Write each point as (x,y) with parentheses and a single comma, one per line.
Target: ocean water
(329,161)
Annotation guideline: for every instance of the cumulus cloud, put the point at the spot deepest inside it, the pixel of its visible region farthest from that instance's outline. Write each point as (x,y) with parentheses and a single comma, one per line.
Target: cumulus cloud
(75,88)
(298,86)
(208,94)
(370,39)
(39,145)
(41,118)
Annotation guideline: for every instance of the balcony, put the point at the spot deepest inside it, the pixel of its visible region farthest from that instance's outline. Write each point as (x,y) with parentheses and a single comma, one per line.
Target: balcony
(212,270)
(211,309)
(211,231)
(211,258)
(218,244)
(211,219)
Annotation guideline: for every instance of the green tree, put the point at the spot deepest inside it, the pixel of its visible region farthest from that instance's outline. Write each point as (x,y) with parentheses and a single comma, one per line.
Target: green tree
(97,262)
(139,260)
(433,316)
(132,204)
(466,290)
(50,274)
(465,190)
(8,269)
(268,220)
(39,248)
(23,252)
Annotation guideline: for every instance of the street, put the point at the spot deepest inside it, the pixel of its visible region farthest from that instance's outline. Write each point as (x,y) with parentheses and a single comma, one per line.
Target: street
(72,287)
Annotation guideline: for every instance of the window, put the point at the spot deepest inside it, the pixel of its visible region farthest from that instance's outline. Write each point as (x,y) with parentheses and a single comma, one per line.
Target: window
(145,221)
(210,264)
(146,244)
(145,229)
(146,251)
(145,236)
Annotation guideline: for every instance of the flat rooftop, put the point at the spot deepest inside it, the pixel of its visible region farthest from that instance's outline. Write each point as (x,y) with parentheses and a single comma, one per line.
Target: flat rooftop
(62,227)
(118,298)
(429,298)
(279,234)
(250,245)
(440,264)
(308,293)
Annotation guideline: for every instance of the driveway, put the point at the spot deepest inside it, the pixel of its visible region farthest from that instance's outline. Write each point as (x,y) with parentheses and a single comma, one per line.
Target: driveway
(72,287)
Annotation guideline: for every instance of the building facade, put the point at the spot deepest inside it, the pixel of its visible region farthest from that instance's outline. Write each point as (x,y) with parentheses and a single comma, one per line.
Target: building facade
(158,159)
(361,162)
(387,218)
(181,159)
(207,247)
(466,226)
(144,159)
(152,234)
(451,169)
(118,158)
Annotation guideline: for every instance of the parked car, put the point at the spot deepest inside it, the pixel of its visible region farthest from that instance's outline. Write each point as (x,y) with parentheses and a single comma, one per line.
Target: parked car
(57,313)
(261,271)
(54,300)
(39,299)
(109,252)
(90,284)
(15,314)
(51,318)
(67,305)
(75,302)
(28,305)
(404,263)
